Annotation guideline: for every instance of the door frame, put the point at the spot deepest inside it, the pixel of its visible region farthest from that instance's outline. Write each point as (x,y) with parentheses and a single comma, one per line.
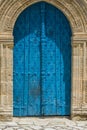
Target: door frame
(79,40)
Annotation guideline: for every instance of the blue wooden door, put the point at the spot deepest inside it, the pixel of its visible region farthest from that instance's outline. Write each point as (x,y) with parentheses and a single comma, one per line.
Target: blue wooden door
(42,62)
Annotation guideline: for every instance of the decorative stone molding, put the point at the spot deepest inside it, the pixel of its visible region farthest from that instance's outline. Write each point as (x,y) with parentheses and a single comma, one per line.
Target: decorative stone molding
(76,12)
(80,37)
(6,37)
(10,10)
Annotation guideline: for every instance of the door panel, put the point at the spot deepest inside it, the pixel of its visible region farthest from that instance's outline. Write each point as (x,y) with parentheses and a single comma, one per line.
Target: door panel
(42,62)
(28,47)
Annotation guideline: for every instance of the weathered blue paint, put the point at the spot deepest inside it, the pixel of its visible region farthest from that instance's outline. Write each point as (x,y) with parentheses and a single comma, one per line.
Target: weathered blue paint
(42,62)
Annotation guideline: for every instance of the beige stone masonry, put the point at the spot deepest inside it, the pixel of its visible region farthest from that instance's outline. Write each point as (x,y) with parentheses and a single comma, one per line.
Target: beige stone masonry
(6,78)
(76,13)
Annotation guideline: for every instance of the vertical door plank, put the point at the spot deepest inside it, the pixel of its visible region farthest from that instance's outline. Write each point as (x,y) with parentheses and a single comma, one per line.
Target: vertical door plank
(18,67)
(34,61)
(48,61)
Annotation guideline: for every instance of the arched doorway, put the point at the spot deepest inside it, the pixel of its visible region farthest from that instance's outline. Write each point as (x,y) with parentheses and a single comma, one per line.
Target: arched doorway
(42,62)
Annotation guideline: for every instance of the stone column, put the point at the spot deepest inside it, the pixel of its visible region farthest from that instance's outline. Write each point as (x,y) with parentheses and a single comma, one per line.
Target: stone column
(6,84)
(79,76)
(84,100)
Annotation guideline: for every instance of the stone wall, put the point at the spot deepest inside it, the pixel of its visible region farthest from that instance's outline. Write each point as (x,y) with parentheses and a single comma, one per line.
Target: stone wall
(76,12)
(6,59)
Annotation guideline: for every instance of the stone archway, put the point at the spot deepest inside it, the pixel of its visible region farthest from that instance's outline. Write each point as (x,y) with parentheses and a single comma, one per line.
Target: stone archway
(76,14)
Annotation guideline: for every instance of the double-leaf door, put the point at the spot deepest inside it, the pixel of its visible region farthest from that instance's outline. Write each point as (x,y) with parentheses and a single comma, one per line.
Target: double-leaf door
(42,62)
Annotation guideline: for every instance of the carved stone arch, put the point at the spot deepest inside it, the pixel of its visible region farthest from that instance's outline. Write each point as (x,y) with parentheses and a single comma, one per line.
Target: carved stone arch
(76,12)
(12,9)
